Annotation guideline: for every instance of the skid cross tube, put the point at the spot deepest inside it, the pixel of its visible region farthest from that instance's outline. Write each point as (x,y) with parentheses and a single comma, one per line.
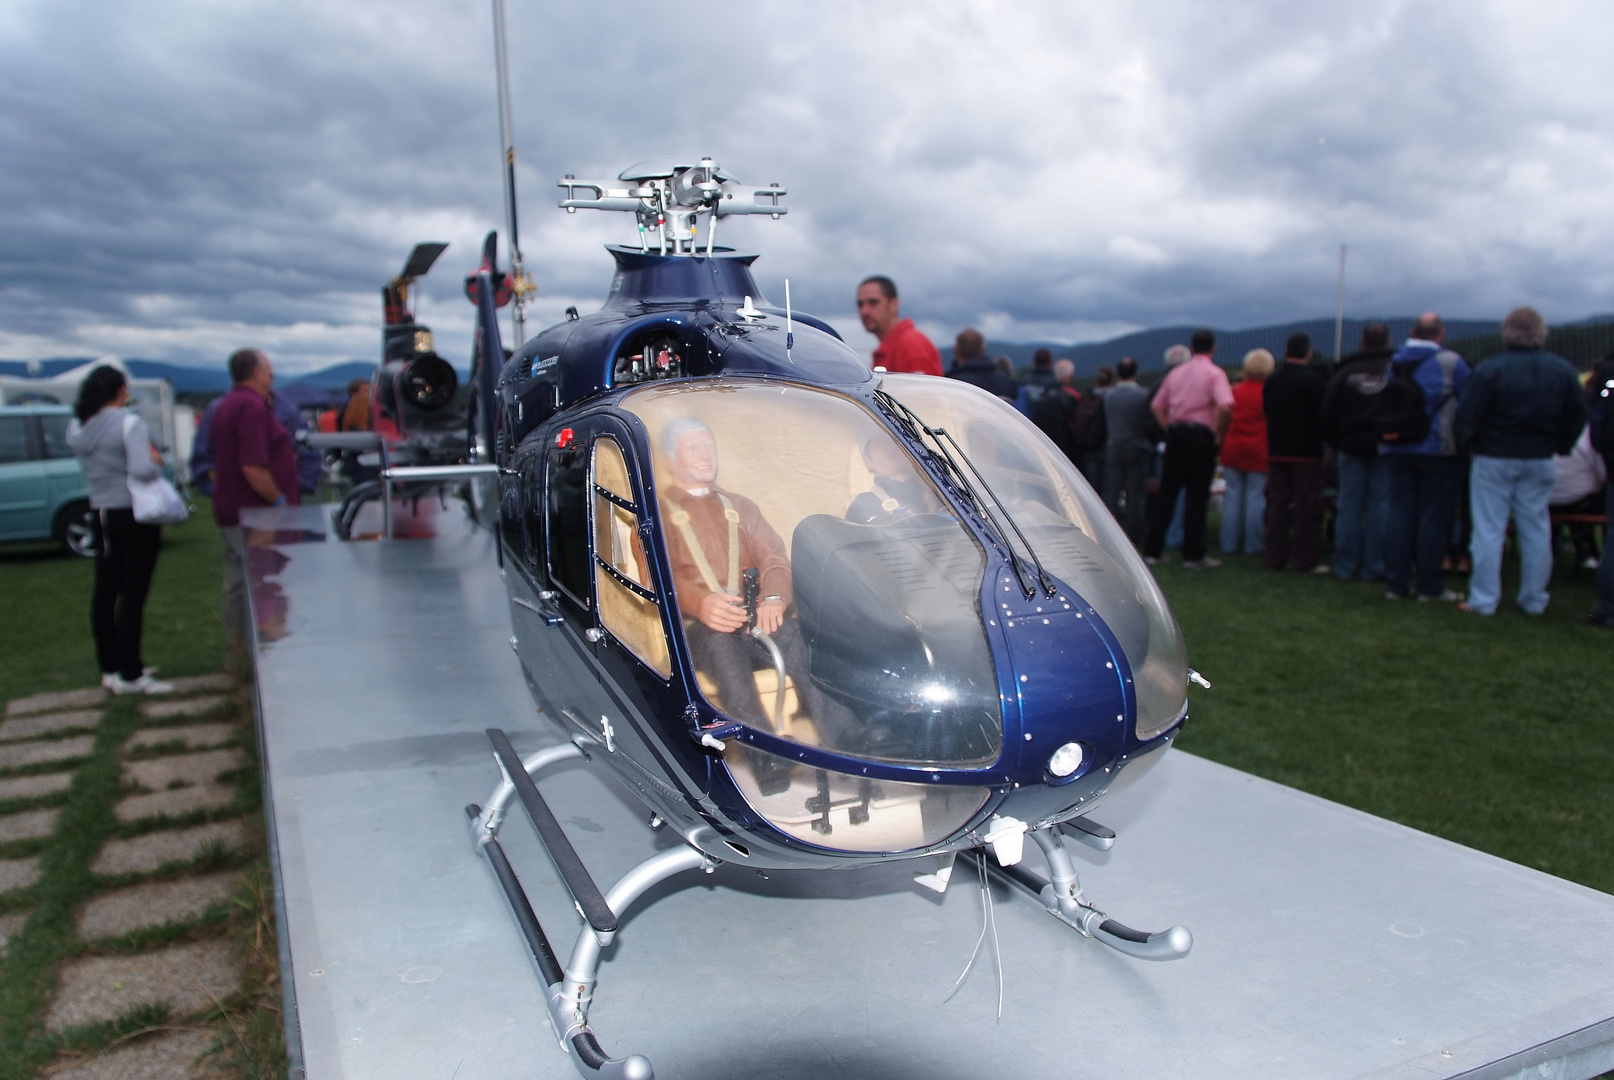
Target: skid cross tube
(1063,898)
(590,901)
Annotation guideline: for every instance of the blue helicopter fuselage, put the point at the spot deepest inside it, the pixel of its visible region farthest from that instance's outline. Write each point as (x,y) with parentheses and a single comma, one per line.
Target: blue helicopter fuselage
(605,646)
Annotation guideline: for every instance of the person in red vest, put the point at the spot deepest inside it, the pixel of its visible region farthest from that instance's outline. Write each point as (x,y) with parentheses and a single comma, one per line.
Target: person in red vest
(902,347)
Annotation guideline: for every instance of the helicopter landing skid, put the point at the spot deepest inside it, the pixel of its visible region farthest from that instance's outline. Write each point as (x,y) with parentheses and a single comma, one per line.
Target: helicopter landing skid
(1063,898)
(568,992)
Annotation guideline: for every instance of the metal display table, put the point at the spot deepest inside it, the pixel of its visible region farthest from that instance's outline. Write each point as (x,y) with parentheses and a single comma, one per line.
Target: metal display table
(1327,943)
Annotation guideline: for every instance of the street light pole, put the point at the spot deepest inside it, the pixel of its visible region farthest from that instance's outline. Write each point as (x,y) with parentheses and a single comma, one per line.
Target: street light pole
(1339,306)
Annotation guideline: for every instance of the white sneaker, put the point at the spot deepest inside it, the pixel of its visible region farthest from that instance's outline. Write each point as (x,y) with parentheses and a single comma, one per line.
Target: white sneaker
(108,678)
(143,685)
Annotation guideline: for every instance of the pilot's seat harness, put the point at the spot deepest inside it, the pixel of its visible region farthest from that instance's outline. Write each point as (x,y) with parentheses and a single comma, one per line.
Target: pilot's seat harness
(680,520)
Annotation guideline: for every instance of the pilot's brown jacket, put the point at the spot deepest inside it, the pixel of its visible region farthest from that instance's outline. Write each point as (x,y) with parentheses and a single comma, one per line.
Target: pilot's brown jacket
(760,546)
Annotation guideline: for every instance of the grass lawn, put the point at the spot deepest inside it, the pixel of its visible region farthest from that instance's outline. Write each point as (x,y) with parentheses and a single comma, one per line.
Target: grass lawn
(45,645)
(45,597)
(1496,732)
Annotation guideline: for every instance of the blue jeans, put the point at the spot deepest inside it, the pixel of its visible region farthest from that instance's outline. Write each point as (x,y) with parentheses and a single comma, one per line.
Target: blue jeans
(1244,511)
(1423,494)
(1362,511)
(1175,530)
(1520,488)
(1604,612)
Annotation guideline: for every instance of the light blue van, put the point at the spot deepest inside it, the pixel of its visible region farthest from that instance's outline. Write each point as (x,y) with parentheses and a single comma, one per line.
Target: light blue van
(42,491)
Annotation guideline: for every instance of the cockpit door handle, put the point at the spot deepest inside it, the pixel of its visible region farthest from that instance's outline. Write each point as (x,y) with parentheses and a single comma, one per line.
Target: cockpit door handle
(550,616)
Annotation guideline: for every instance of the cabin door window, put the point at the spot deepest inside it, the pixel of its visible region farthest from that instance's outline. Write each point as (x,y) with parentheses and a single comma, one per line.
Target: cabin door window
(567,533)
(629,606)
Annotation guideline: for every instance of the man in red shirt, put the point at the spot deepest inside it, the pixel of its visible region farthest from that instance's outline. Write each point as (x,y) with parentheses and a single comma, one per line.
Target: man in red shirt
(253,465)
(902,347)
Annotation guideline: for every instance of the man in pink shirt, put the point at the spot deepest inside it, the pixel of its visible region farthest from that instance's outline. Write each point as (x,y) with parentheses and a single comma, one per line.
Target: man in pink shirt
(1194,405)
(902,347)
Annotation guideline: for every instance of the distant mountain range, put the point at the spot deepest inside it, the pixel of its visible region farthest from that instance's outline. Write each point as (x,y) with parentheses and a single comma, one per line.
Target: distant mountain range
(1148,347)
(1594,337)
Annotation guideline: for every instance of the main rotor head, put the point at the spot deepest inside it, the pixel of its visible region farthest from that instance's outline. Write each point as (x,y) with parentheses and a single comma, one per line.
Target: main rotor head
(668,196)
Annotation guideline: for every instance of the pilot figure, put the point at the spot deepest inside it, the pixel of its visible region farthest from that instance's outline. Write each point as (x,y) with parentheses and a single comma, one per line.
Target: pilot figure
(897,493)
(713,536)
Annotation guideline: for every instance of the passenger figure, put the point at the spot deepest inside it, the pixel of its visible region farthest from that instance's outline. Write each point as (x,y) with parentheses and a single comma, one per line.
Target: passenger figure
(897,492)
(713,537)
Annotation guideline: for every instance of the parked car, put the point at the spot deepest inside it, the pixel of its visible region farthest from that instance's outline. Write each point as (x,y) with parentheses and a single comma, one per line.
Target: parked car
(42,491)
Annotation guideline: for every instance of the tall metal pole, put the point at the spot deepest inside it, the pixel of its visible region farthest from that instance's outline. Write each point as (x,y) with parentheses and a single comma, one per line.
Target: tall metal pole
(520,285)
(1339,307)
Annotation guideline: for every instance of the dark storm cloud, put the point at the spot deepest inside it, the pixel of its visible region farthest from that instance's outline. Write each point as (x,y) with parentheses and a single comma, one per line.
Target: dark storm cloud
(181,178)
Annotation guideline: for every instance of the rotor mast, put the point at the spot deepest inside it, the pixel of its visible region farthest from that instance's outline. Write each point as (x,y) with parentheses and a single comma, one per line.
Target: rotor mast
(521,285)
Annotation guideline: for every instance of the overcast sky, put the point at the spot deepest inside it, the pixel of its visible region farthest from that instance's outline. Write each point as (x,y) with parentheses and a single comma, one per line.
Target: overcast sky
(178,179)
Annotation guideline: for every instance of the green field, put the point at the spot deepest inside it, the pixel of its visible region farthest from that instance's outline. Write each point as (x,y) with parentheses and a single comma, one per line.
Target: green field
(45,633)
(45,645)
(1494,732)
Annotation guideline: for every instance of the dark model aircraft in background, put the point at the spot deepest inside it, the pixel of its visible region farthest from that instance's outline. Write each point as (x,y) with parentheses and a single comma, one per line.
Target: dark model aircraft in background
(815,616)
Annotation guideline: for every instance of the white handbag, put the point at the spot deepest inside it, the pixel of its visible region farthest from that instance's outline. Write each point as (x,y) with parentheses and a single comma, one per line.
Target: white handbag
(155,502)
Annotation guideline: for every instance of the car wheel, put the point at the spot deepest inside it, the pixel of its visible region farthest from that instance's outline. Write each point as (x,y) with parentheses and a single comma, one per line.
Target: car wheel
(75,530)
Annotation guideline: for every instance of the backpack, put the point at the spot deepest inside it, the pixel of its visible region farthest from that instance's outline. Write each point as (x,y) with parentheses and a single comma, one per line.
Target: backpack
(1054,411)
(1401,411)
(1088,428)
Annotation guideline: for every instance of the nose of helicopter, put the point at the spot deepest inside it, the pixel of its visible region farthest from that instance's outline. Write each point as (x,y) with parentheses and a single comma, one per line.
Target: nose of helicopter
(1071,685)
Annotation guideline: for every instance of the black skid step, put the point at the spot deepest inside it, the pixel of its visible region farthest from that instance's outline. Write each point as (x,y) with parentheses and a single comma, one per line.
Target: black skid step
(579,883)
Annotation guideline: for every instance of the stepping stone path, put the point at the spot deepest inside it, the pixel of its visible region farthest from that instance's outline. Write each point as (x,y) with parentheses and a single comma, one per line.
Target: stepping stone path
(18,873)
(166,708)
(176,773)
(9,925)
(143,854)
(62,699)
(31,727)
(166,1057)
(188,977)
(28,825)
(193,736)
(141,906)
(159,774)
(18,755)
(218,682)
(174,803)
(33,787)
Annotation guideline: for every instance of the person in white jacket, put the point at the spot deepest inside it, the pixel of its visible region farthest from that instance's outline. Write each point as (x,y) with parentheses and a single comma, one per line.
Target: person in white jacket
(113,446)
(1577,488)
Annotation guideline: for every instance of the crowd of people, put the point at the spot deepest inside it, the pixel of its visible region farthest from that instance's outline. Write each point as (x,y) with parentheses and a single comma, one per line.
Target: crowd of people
(1430,460)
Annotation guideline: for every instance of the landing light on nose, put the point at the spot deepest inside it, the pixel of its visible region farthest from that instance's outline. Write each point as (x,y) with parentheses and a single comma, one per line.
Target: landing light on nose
(1066,760)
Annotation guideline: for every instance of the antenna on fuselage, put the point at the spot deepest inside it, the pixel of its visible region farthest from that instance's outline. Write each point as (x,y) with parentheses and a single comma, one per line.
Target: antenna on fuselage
(520,284)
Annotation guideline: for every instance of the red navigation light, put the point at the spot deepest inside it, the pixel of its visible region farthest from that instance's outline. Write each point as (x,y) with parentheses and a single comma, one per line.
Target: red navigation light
(565,438)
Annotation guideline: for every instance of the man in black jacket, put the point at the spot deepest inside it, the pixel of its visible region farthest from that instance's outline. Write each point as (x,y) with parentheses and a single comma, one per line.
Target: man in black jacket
(972,365)
(1520,408)
(1293,402)
(1351,428)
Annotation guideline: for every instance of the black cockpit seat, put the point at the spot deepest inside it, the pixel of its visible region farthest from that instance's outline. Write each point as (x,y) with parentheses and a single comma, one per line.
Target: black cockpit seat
(891,614)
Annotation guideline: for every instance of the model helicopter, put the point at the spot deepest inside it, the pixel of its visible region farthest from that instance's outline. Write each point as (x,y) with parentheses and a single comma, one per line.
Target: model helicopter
(815,616)
(419,413)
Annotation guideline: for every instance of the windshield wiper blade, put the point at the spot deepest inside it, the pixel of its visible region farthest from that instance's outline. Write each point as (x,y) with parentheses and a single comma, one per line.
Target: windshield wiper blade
(912,422)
